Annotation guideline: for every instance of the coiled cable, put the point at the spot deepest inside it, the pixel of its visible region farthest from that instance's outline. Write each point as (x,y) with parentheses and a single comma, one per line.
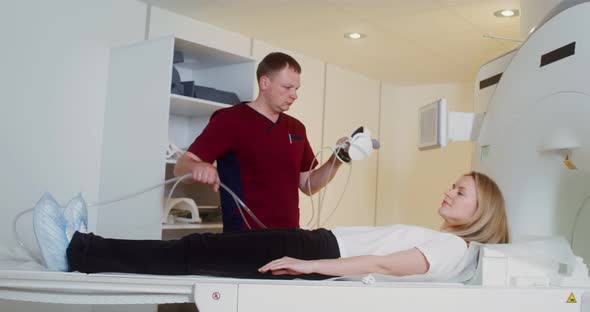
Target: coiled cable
(322,194)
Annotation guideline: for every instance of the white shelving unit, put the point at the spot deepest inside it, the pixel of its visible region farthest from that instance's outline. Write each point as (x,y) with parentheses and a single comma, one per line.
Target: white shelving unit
(207,67)
(192,107)
(142,117)
(213,68)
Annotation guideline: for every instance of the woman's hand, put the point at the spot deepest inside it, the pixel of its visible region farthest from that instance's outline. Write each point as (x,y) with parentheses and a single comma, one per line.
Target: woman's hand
(290,266)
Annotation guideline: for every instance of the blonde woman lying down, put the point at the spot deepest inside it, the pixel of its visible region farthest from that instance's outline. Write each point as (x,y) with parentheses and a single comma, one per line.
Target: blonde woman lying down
(472,210)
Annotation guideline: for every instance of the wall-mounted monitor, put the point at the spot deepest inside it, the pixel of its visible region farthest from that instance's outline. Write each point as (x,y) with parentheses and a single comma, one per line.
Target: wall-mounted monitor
(433,125)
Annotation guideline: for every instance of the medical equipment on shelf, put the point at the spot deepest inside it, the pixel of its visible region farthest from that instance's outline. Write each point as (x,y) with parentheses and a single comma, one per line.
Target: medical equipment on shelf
(173,152)
(176,210)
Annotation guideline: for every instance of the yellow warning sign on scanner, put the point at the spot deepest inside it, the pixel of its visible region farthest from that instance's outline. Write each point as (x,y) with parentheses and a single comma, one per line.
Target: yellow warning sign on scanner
(571,299)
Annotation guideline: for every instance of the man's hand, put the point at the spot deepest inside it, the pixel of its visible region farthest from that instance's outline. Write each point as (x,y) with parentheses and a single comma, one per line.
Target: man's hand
(204,172)
(200,171)
(342,151)
(342,140)
(290,266)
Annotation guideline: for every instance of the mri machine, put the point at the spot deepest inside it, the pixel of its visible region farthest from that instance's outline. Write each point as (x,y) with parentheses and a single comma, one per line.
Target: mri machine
(535,131)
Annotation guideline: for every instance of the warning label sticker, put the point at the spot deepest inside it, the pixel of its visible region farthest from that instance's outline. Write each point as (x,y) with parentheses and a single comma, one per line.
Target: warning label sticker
(571,299)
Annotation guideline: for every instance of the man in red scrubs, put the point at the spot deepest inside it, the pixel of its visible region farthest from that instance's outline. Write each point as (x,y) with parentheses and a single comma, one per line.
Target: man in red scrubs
(262,153)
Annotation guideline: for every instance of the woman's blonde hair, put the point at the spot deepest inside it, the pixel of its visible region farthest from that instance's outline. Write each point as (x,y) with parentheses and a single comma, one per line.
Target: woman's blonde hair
(488,224)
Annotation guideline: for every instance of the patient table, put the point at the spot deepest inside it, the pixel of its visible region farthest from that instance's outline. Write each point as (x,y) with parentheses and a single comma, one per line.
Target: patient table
(503,285)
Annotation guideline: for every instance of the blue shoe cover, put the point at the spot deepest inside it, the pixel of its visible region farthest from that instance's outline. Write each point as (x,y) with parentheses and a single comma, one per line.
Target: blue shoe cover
(49,225)
(76,216)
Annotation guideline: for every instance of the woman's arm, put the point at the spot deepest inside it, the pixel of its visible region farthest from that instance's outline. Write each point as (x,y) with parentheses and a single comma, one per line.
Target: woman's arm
(407,262)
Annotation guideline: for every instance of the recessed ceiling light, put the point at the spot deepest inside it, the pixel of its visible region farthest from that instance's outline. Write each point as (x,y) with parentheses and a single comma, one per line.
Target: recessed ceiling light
(507,13)
(354,35)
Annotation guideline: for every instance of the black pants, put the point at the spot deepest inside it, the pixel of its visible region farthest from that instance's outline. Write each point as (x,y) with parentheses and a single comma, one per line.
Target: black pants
(217,254)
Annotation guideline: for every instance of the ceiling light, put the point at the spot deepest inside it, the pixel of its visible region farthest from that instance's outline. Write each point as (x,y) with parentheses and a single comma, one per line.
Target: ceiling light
(354,35)
(507,13)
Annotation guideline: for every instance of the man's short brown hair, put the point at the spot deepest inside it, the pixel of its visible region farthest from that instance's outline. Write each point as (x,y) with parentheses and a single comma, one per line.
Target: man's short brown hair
(275,62)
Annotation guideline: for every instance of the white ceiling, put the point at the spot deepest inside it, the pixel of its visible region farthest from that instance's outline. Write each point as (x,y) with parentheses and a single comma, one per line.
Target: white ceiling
(409,41)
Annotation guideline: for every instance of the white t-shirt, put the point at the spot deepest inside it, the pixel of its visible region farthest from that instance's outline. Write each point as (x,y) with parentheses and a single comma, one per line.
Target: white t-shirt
(444,251)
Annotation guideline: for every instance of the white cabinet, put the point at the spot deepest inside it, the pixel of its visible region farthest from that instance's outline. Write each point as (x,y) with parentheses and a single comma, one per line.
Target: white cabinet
(212,68)
(142,117)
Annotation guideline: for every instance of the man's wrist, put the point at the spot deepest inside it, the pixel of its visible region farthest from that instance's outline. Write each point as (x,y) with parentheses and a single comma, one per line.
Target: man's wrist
(343,156)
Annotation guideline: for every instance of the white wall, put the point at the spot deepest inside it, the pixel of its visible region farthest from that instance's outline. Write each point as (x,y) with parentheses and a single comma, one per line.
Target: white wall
(54,73)
(163,23)
(412,182)
(352,100)
(54,61)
